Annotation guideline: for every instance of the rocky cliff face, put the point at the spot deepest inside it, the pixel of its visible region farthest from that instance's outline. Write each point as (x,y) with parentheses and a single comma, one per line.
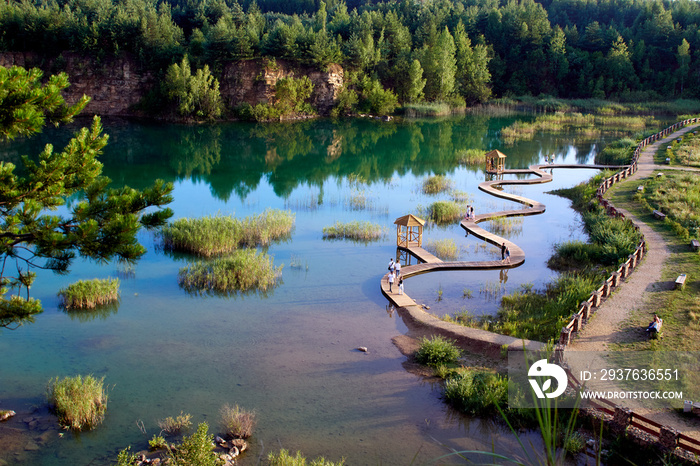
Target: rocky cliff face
(116,85)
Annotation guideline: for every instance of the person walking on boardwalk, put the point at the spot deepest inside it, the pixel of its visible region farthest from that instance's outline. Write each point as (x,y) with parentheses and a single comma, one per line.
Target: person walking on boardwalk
(400,285)
(392,266)
(503,251)
(391,281)
(397,267)
(507,256)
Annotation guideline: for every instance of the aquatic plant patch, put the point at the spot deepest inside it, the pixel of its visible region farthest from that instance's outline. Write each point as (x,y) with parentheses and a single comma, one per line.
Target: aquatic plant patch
(80,402)
(355,230)
(217,235)
(445,249)
(88,294)
(243,270)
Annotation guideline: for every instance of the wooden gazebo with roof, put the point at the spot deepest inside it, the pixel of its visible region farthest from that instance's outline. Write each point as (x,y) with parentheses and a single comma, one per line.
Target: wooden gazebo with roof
(495,162)
(409,231)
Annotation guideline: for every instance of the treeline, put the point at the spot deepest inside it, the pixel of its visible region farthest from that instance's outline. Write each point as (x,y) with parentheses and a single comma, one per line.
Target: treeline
(455,51)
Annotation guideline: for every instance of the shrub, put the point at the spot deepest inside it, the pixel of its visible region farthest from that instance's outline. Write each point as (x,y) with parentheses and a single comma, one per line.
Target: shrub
(237,422)
(177,425)
(244,270)
(217,235)
(436,184)
(284,458)
(574,443)
(359,231)
(157,443)
(477,391)
(195,450)
(88,294)
(437,351)
(80,402)
(126,458)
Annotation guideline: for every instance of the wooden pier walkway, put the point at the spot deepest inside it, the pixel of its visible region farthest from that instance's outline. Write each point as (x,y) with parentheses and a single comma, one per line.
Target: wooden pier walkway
(430,263)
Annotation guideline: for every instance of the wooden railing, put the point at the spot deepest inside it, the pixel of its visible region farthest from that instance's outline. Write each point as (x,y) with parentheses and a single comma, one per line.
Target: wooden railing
(621,419)
(588,307)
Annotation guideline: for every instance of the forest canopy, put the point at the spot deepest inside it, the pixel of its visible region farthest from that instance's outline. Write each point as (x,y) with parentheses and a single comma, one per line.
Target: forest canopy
(455,51)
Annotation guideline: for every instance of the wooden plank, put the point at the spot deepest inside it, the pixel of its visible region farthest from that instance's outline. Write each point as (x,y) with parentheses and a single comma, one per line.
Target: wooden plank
(646,429)
(658,214)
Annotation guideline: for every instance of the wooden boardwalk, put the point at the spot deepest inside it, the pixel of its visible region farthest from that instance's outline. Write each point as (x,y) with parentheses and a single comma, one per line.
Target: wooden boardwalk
(430,263)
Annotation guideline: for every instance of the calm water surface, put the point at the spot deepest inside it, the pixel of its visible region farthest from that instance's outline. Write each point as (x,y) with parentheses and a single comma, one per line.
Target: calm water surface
(289,355)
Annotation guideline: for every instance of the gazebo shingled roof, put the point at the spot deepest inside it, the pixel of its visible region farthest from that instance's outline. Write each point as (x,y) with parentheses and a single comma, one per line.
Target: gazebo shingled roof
(409,220)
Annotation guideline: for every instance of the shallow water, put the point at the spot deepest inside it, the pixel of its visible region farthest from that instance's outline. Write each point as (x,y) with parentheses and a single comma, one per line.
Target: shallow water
(289,355)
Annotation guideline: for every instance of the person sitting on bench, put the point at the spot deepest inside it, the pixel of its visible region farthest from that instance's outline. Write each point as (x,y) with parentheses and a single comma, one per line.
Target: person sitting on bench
(655,325)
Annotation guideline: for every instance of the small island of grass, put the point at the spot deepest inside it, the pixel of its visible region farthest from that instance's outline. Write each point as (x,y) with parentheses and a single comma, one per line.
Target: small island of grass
(356,230)
(80,402)
(88,294)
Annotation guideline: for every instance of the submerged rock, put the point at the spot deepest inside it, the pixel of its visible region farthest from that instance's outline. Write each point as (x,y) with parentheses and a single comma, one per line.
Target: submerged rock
(5,415)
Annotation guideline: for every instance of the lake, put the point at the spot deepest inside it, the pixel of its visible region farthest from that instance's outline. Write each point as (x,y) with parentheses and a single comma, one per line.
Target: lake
(289,355)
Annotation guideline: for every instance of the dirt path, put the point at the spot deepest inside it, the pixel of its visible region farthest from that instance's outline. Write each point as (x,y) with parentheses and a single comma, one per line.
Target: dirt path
(605,327)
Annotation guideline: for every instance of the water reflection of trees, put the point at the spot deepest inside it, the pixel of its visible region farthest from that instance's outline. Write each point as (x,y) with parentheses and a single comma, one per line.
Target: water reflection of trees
(234,158)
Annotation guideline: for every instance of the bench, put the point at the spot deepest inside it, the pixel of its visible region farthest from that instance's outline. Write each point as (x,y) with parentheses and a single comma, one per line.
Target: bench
(695,244)
(660,215)
(640,189)
(659,175)
(680,281)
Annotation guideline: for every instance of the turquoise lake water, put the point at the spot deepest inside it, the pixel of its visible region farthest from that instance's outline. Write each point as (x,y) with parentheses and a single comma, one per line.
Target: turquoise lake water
(290,355)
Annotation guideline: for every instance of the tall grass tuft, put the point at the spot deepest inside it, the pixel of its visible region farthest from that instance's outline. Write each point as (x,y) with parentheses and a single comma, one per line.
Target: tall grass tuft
(80,402)
(445,212)
(436,351)
(243,270)
(355,230)
(471,157)
(475,391)
(176,425)
(88,294)
(197,449)
(436,184)
(237,422)
(217,235)
(445,249)
(284,458)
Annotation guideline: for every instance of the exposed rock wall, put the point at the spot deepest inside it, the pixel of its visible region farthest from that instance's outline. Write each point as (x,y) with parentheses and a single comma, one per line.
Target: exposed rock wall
(116,85)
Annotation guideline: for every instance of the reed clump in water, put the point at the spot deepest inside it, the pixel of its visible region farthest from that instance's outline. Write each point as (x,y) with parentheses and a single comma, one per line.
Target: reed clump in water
(88,294)
(436,184)
(355,230)
(445,249)
(243,270)
(217,235)
(80,402)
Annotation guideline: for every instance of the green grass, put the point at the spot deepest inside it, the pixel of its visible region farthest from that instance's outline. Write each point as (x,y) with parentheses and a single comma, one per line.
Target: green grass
(430,109)
(88,294)
(678,196)
(218,235)
(355,230)
(80,402)
(477,391)
(176,425)
(437,351)
(436,184)
(588,124)
(243,270)
(284,458)
(445,249)
(680,309)
(471,157)
(445,212)
(237,422)
(617,153)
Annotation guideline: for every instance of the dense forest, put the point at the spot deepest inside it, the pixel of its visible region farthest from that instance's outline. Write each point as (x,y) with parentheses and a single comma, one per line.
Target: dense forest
(454,51)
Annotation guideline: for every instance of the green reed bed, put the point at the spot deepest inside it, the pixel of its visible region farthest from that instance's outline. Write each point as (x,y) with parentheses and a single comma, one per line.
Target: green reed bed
(617,153)
(445,249)
(88,294)
(80,402)
(243,270)
(436,184)
(471,157)
(445,212)
(685,153)
(560,122)
(476,391)
(285,458)
(431,109)
(355,230)
(216,235)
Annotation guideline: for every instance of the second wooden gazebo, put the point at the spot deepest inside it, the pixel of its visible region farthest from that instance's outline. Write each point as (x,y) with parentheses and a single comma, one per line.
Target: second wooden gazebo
(409,231)
(495,162)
